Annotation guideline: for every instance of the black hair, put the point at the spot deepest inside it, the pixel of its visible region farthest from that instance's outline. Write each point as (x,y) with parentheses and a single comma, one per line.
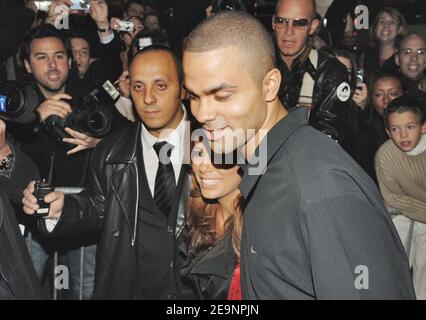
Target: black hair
(382,74)
(73,34)
(348,55)
(159,47)
(156,38)
(41,32)
(129,2)
(222,5)
(405,104)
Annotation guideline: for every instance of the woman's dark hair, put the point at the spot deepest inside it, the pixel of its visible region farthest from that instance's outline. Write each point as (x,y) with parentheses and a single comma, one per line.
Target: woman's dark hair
(348,55)
(374,120)
(201,217)
(404,104)
(41,32)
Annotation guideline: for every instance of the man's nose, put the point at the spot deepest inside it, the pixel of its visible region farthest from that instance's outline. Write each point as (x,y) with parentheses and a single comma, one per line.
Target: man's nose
(149,97)
(205,112)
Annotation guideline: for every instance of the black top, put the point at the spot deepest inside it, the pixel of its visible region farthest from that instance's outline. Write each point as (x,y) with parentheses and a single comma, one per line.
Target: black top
(211,272)
(314,221)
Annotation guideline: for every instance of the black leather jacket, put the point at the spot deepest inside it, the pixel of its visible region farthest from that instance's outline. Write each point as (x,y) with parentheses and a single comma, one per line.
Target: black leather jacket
(108,205)
(328,114)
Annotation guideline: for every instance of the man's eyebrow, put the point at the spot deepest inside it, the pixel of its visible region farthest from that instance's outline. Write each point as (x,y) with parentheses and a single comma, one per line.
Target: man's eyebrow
(213,90)
(44,53)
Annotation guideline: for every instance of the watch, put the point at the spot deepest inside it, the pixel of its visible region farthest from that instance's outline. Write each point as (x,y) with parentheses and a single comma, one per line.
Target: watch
(7,162)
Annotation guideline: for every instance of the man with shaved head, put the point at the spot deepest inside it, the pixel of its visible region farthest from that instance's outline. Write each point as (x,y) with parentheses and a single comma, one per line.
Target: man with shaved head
(314,224)
(309,77)
(136,190)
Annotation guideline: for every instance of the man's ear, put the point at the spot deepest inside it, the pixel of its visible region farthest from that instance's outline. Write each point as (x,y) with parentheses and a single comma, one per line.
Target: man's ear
(314,26)
(272,22)
(397,59)
(69,63)
(183,93)
(27,66)
(271,84)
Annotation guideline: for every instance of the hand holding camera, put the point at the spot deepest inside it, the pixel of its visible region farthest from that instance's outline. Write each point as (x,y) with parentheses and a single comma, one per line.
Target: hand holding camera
(49,204)
(99,13)
(81,140)
(54,106)
(360,96)
(122,25)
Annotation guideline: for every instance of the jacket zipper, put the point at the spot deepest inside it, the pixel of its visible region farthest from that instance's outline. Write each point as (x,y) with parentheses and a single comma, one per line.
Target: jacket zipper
(137,205)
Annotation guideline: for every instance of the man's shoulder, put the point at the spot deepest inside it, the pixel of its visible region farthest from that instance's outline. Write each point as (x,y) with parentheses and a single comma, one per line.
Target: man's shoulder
(309,154)
(123,134)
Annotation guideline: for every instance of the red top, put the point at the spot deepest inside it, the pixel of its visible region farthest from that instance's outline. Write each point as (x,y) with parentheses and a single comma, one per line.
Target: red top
(234,292)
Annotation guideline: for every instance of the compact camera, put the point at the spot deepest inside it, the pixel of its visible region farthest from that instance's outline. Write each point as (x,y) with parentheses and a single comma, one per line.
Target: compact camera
(83,5)
(126,26)
(360,75)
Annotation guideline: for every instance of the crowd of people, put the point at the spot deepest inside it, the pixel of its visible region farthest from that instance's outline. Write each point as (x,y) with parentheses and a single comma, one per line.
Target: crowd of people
(238,163)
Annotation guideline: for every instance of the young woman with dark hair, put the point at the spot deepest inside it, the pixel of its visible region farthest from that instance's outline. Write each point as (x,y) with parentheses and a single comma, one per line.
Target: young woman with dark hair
(214,225)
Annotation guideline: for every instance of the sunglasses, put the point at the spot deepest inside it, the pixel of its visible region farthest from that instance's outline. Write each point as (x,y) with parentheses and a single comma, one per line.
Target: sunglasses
(299,23)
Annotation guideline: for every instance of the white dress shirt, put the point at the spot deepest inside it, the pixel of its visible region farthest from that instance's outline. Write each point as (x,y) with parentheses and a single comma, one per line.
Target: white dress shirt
(150,158)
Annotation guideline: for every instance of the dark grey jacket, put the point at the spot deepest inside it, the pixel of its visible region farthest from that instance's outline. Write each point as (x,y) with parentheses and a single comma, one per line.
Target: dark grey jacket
(315,226)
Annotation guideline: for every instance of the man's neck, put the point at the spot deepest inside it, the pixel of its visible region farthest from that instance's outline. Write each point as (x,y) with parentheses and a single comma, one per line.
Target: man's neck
(275,113)
(47,93)
(289,60)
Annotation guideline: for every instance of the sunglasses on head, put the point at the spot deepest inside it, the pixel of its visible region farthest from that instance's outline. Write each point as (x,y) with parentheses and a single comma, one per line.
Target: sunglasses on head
(298,23)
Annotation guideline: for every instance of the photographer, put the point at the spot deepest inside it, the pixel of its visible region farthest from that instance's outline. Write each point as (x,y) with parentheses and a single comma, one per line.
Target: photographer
(46,55)
(18,279)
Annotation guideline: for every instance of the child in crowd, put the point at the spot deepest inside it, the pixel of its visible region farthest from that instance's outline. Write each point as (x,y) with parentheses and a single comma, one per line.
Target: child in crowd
(401,172)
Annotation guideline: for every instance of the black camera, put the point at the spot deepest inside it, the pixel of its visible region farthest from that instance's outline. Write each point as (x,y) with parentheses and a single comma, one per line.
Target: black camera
(18,101)
(92,117)
(41,189)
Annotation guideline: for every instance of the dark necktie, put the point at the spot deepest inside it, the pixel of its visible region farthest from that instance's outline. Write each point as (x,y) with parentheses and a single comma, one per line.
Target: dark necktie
(165,184)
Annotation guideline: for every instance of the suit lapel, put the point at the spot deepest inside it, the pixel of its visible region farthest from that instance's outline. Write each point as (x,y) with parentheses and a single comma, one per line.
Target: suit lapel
(179,201)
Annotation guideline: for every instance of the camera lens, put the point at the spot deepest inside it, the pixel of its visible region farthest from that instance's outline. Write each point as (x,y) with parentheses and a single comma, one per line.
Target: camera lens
(97,122)
(84,4)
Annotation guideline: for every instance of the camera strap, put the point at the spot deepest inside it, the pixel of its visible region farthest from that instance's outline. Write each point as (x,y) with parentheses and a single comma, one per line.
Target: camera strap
(307,90)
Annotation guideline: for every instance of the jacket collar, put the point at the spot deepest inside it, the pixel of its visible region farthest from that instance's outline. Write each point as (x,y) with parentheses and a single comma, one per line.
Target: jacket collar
(272,142)
(220,260)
